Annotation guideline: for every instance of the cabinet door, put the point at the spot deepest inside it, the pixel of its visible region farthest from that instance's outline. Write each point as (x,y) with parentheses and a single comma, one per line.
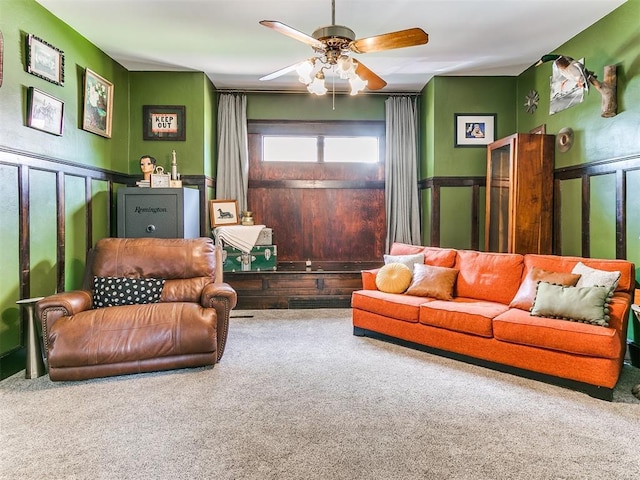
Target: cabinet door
(149,215)
(499,176)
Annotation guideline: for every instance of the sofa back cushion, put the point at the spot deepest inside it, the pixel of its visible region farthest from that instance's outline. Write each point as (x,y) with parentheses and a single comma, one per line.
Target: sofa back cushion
(494,277)
(167,258)
(556,263)
(437,256)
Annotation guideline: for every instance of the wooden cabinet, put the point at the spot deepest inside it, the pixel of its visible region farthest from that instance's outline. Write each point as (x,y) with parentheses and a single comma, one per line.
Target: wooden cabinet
(519,208)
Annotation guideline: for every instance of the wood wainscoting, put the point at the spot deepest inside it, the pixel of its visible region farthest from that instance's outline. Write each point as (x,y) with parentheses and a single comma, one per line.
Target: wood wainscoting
(293,286)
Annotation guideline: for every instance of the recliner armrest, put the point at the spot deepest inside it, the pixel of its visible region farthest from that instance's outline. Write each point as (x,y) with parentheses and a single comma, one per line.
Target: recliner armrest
(223,298)
(65,304)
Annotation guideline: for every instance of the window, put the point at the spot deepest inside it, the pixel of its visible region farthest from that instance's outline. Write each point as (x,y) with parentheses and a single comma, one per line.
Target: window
(320,142)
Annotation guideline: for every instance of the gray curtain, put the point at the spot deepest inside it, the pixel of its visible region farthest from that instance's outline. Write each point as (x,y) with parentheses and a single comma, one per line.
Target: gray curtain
(232,177)
(401,171)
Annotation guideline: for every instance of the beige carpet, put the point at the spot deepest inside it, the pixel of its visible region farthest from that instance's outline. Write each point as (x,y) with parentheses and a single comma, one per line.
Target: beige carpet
(297,396)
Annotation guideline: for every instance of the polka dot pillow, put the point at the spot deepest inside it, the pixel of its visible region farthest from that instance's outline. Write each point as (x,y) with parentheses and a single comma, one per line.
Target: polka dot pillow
(114,291)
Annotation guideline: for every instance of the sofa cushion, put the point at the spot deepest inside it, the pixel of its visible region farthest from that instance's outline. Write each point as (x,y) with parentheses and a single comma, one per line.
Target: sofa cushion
(527,291)
(556,263)
(432,281)
(393,278)
(441,257)
(115,291)
(393,305)
(577,304)
(407,260)
(591,277)
(462,315)
(494,277)
(518,326)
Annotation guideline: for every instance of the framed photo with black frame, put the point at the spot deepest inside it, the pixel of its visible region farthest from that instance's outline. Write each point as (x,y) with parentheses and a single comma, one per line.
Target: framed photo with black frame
(474,129)
(44,60)
(45,112)
(164,122)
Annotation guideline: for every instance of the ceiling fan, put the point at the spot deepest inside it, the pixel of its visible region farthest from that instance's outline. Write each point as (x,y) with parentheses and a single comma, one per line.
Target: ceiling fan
(332,45)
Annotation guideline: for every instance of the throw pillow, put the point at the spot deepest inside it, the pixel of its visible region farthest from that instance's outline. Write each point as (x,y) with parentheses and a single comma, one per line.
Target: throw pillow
(407,260)
(577,304)
(432,281)
(527,291)
(114,291)
(590,277)
(393,278)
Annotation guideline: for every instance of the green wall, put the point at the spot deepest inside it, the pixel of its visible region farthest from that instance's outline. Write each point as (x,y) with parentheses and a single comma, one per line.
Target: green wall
(613,40)
(21,17)
(311,107)
(442,98)
(191,89)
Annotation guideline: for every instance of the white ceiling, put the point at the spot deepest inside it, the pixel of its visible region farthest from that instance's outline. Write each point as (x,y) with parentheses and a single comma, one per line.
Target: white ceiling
(223,38)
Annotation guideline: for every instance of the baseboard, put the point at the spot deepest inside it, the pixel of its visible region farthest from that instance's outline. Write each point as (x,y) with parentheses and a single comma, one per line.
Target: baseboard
(595,391)
(12,362)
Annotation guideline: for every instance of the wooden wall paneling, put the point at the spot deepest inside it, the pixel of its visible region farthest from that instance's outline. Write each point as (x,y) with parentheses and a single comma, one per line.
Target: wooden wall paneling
(88,221)
(435,216)
(475,217)
(60,236)
(557,205)
(621,218)
(586,215)
(23,232)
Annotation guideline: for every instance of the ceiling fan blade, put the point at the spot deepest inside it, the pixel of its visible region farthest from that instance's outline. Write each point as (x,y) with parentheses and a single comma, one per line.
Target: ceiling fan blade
(282,71)
(374,82)
(388,41)
(293,33)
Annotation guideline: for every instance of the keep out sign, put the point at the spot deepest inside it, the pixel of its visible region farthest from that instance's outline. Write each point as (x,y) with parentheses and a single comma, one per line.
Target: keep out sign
(164,122)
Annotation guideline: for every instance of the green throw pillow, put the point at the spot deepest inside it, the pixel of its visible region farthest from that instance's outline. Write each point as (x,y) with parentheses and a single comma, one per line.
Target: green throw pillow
(577,304)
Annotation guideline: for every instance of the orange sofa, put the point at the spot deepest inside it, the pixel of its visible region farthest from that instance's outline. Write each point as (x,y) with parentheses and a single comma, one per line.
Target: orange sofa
(479,326)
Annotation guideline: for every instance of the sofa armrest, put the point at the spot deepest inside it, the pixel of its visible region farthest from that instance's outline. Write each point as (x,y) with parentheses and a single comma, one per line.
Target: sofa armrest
(65,304)
(369,279)
(223,298)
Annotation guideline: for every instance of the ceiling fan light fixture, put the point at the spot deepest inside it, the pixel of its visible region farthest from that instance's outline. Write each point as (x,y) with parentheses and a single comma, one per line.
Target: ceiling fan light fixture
(357,84)
(317,86)
(304,71)
(345,67)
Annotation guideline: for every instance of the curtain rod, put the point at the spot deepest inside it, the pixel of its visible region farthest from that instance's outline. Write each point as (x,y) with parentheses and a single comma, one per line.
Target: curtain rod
(390,94)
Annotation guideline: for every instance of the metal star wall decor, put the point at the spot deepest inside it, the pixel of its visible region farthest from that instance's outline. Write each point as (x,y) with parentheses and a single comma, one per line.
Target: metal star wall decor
(531,103)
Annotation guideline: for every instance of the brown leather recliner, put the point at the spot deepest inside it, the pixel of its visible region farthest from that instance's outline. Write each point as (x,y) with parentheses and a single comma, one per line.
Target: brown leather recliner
(186,328)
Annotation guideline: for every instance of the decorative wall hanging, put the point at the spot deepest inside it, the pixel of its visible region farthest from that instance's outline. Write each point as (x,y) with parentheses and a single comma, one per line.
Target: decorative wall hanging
(608,89)
(164,122)
(98,104)
(474,129)
(564,139)
(44,60)
(531,101)
(45,112)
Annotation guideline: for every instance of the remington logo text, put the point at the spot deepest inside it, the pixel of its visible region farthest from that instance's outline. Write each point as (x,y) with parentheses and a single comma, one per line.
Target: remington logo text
(151,210)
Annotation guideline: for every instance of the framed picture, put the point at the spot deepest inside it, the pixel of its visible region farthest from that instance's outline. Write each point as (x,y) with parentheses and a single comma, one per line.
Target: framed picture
(223,212)
(163,122)
(474,129)
(541,129)
(44,60)
(98,104)
(45,113)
